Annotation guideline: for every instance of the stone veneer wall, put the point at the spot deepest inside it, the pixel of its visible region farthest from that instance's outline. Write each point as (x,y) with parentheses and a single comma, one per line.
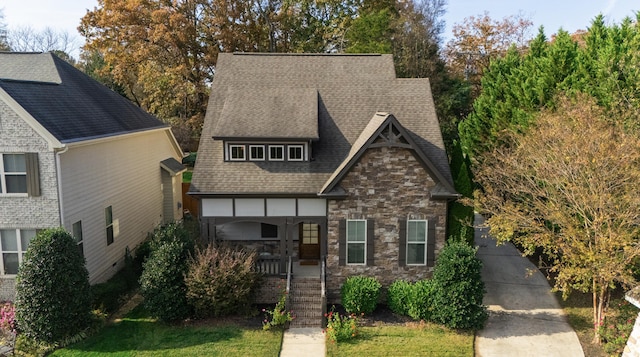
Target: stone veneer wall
(387,185)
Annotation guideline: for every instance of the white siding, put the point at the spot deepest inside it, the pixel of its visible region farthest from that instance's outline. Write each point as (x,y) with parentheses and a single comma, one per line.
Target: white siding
(123,173)
(281,207)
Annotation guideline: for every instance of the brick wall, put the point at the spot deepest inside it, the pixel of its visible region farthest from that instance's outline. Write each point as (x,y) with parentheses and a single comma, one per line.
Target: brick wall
(387,185)
(16,136)
(271,287)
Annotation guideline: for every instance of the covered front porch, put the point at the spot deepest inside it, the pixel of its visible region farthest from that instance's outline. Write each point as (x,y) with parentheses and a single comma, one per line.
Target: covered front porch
(275,240)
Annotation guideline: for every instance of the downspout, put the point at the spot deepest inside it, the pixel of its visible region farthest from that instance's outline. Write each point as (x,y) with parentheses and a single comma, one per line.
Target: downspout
(59,179)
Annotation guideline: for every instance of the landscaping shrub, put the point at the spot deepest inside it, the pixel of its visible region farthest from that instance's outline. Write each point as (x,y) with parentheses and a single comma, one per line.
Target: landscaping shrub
(420,305)
(341,328)
(617,326)
(278,316)
(53,300)
(220,280)
(459,289)
(173,232)
(359,294)
(162,282)
(399,295)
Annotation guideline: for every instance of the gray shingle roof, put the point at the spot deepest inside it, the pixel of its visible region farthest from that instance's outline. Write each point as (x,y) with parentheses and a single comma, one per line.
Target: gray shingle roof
(350,90)
(69,104)
(279,113)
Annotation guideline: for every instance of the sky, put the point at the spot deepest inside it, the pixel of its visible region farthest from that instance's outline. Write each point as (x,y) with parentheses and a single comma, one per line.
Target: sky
(571,15)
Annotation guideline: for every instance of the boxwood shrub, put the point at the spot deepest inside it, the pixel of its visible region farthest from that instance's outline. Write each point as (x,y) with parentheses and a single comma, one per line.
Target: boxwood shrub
(359,294)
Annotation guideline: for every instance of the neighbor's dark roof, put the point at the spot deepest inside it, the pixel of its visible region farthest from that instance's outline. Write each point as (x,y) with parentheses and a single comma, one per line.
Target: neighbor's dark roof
(350,90)
(69,104)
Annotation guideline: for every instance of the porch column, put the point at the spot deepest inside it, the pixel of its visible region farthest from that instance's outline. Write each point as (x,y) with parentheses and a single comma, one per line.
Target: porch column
(282,232)
(324,238)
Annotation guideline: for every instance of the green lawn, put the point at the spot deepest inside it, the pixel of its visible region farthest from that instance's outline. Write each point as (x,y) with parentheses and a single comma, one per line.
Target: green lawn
(419,340)
(139,335)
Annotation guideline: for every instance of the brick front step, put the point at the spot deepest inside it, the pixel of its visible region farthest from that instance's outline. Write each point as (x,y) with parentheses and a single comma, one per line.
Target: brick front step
(306,302)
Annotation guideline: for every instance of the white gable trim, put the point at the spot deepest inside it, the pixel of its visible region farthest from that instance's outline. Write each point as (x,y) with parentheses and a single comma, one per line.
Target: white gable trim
(31,121)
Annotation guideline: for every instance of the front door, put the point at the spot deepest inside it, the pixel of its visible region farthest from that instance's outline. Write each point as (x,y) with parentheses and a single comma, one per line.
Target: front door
(309,241)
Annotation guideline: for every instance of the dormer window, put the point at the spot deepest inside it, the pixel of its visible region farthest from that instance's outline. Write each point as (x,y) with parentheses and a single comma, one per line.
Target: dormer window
(276,152)
(256,152)
(266,152)
(296,152)
(236,153)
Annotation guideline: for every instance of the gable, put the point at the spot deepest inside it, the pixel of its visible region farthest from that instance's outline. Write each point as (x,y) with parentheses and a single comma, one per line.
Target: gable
(384,131)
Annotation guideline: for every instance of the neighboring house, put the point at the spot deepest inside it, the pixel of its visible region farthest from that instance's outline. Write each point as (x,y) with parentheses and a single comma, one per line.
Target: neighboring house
(75,154)
(325,157)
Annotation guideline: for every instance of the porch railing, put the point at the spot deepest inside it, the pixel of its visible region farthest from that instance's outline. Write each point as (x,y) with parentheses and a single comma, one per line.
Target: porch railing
(323,289)
(287,299)
(268,265)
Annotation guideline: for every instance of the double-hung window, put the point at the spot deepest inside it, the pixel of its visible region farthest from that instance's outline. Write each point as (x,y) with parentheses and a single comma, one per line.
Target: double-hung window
(13,173)
(14,243)
(416,242)
(356,241)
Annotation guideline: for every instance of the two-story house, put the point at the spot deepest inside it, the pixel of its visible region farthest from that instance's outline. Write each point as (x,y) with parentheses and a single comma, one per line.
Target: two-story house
(75,154)
(325,158)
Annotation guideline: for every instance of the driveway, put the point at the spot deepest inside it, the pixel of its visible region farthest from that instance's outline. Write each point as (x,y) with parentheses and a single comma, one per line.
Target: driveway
(525,318)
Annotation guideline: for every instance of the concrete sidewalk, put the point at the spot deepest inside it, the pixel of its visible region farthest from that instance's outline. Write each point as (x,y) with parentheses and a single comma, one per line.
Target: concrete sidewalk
(303,342)
(525,318)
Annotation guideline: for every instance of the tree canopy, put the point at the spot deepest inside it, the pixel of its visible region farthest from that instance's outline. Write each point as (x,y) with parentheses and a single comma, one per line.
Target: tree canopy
(603,65)
(163,54)
(569,186)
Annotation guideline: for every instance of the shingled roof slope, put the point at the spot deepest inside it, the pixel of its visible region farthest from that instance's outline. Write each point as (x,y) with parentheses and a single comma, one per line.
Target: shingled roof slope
(66,102)
(351,89)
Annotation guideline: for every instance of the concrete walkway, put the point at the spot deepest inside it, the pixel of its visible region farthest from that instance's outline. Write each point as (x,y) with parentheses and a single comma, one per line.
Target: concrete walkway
(303,342)
(525,318)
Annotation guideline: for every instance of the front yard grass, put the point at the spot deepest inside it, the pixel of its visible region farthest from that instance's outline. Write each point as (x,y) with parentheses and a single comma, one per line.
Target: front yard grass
(139,335)
(413,339)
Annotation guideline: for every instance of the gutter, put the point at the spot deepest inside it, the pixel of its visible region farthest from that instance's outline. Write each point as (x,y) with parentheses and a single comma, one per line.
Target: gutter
(59,152)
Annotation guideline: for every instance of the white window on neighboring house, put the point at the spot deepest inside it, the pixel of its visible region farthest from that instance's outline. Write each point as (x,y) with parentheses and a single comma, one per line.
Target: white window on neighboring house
(14,243)
(108,215)
(13,173)
(356,241)
(276,152)
(77,235)
(416,242)
(237,152)
(296,152)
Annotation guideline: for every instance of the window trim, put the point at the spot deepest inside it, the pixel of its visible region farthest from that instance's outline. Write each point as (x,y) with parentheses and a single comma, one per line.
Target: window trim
(295,146)
(424,242)
(347,242)
(252,158)
(271,157)
(20,252)
(4,174)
